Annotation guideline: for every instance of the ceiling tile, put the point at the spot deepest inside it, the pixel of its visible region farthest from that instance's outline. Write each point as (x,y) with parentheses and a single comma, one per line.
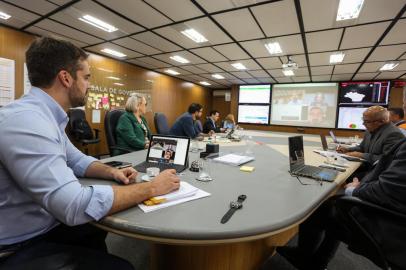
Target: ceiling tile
(241,74)
(299,59)
(289,44)
(258,73)
(396,34)
(240,24)
(227,76)
(389,75)
(365,76)
(154,62)
(136,46)
(215,5)
(59,2)
(209,68)
(249,64)
(342,77)
(194,69)
(142,64)
(19,17)
(252,81)
(39,6)
(371,67)
(138,11)
(322,70)
(158,42)
(377,10)
(386,53)
(177,10)
(193,59)
(265,80)
(270,63)
(321,78)
(301,78)
(345,69)
(98,48)
(323,41)
(209,54)
(276,73)
(181,71)
(284,80)
(351,56)
(47,33)
(67,31)
(278,18)
(232,51)
(237,81)
(363,36)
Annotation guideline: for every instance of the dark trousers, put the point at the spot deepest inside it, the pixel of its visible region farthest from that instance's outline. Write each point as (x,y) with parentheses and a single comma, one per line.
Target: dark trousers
(67,248)
(320,235)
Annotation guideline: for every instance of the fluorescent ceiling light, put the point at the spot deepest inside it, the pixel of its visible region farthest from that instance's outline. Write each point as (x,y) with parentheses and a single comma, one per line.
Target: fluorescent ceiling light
(113,78)
(113,52)
(194,35)
(238,66)
(288,72)
(117,83)
(98,23)
(389,66)
(336,58)
(217,76)
(349,9)
(204,83)
(179,59)
(273,47)
(172,72)
(4,16)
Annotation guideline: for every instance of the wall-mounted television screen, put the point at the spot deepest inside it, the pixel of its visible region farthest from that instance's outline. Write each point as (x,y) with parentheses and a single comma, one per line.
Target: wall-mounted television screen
(364,93)
(350,118)
(253,114)
(304,104)
(254,93)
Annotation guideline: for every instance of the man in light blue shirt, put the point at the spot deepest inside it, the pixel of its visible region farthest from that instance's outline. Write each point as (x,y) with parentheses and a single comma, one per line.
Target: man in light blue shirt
(42,204)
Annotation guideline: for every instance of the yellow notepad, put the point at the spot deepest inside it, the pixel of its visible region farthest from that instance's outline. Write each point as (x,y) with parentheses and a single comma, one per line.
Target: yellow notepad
(247,168)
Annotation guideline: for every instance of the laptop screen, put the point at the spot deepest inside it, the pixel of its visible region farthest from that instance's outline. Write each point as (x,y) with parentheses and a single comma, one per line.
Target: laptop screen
(168,149)
(296,153)
(324,142)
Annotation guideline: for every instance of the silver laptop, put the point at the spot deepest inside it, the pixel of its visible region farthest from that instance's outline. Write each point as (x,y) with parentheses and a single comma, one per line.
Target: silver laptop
(337,141)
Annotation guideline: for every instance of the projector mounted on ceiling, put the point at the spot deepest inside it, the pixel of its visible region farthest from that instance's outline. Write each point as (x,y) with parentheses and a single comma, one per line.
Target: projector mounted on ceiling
(290,65)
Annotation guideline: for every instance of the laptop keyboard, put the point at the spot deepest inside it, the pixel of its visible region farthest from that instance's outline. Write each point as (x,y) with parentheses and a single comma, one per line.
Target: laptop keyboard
(162,166)
(309,171)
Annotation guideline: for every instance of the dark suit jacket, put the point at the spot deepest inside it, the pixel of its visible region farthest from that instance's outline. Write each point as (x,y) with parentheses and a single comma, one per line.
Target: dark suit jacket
(209,125)
(386,186)
(380,142)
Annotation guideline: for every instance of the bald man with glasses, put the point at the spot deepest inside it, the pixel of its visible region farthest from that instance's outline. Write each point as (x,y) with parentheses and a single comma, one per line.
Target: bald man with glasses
(380,137)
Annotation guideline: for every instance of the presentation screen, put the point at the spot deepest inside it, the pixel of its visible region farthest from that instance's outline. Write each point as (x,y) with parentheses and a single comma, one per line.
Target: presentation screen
(304,104)
(255,93)
(350,118)
(364,93)
(253,114)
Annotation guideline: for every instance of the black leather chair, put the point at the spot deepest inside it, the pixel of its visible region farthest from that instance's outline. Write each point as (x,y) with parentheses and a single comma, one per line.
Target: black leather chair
(161,124)
(110,123)
(362,242)
(80,130)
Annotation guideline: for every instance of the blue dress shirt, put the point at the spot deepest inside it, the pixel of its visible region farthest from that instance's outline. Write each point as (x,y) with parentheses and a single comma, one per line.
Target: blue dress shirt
(184,126)
(39,167)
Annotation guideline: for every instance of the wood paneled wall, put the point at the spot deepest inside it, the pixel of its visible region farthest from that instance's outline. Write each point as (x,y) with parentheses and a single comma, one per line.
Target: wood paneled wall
(169,95)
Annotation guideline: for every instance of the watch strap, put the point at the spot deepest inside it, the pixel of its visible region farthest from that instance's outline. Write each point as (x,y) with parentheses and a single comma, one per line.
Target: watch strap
(228,215)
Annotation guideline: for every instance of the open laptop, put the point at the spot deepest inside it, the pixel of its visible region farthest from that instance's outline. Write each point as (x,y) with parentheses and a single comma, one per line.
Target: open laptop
(297,163)
(166,152)
(337,141)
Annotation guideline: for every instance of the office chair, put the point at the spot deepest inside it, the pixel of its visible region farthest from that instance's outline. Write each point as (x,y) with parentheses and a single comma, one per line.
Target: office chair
(110,123)
(161,124)
(363,242)
(80,130)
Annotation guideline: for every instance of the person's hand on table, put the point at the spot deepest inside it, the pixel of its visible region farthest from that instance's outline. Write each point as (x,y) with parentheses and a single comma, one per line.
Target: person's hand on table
(355,183)
(342,149)
(165,182)
(125,176)
(356,154)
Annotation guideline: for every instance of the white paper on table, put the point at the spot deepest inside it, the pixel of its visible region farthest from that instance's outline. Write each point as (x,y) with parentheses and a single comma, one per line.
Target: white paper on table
(177,197)
(233,159)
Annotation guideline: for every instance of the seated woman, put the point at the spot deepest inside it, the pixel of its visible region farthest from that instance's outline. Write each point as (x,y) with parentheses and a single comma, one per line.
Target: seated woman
(132,131)
(229,122)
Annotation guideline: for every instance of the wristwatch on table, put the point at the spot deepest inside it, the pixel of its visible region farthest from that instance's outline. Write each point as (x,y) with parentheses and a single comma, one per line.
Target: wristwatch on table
(234,206)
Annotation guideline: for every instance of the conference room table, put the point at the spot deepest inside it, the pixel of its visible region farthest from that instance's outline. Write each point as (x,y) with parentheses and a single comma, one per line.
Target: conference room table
(190,235)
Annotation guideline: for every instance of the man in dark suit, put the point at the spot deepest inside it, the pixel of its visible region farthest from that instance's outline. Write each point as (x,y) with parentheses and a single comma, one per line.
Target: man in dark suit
(380,137)
(210,124)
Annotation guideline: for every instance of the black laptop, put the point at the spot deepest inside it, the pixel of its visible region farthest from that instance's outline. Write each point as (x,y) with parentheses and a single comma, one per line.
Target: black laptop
(166,152)
(297,163)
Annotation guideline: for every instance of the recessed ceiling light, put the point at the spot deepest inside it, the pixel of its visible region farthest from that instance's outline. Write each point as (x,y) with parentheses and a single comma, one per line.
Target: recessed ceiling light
(179,59)
(114,53)
(4,16)
(217,76)
(113,78)
(98,23)
(172,72)
(238,66)
(273,48)
(204,83)
(194,35)
(117,83)
(288,72)
(349,9)
(336,58)
(389,66)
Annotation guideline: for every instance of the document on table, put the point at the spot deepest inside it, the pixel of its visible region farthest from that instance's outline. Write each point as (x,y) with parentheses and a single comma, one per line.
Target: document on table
(330,154)
(185,193)
(234,159)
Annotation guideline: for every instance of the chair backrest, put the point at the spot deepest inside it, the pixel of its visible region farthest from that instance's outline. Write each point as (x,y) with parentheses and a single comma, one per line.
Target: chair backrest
(110,123)
(161,124)
(78,127)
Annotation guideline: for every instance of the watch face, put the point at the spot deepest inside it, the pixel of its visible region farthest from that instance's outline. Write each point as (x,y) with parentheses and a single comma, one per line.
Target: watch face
(242,197)
(236,205)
